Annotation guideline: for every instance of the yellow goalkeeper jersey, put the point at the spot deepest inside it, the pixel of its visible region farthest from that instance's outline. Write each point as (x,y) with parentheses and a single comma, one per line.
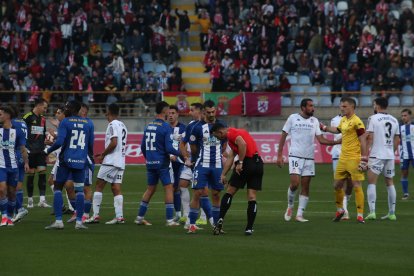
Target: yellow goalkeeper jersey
(351,147)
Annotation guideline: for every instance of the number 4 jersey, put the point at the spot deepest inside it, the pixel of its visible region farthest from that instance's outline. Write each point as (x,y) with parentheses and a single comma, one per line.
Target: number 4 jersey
(75,137)
(116,129)
(384,128)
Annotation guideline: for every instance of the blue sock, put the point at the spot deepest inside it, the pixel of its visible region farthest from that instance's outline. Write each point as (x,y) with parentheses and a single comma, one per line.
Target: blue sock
(404,183)
(11,205)
(72,203)
(216,213)
(3,205)
(206,205)
(169,210)
(142,208)
(193,215)
(177,201)
(19,200)
(57,204)
(80,205)
(88,205)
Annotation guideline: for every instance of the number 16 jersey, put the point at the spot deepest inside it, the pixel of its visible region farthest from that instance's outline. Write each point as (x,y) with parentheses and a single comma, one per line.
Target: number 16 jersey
(116,129)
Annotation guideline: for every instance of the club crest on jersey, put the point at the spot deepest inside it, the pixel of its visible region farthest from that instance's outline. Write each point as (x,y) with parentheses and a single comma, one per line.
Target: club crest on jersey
(262,104)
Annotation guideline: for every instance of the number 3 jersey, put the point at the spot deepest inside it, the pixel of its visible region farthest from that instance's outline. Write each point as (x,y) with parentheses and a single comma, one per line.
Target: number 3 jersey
(116,129)
(384,128)
(75,137)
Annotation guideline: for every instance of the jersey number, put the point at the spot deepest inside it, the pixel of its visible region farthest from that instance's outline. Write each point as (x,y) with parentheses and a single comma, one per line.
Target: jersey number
(77,139)
(123,140)
(388,128)
(150,140)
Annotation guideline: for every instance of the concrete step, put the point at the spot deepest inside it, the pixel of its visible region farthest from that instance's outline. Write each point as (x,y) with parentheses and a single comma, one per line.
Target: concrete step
(204,80)
(185,2)
(198,87)
(192,38)
(196,75)
(192,56)
(189,7)
(191,69)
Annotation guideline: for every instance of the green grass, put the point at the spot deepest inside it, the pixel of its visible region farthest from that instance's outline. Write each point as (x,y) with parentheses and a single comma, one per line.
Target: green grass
(319,247)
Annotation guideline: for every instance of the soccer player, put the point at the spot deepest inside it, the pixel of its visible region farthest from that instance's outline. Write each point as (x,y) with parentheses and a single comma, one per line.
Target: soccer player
(248,170)
(187,174)
(208,167)
(336,152)
(11,140)
(303,128)
(353,159)
(75,138)
(177,164)
(156,146)
(407,147)
(113,166)
(383,134)
(19,124)
(36,126)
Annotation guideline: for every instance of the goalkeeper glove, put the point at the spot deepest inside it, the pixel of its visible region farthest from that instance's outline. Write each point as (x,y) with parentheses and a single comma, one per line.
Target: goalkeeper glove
(363,164)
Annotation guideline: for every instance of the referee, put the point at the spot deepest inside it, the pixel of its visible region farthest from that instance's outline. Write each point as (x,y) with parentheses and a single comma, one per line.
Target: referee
(36,126)
(248,170)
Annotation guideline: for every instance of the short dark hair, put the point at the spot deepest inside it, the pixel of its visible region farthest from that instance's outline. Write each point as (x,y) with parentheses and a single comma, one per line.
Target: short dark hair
(305,101)
(159,107)
(61,107)
(84,105)
(348,100)
(197,105)
(173,106)
(72,108)
(208,104)
(406,110)
(217,126)
(40,101)
(113,108)
(16,110)
(9,110)
(382,102)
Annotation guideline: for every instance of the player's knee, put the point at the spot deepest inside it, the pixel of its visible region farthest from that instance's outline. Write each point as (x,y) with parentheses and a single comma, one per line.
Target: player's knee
(116,189)
(78,187)
(58,187)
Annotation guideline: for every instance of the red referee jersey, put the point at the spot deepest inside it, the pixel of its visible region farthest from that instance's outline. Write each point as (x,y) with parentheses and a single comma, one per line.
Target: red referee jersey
(233,133)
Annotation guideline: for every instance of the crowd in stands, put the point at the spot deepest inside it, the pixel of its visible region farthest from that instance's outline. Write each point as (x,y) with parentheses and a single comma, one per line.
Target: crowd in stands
(86,46)
(256,45)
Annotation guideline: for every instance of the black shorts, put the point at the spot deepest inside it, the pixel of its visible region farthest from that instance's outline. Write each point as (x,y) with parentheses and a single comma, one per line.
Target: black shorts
(252,174)
(37,160)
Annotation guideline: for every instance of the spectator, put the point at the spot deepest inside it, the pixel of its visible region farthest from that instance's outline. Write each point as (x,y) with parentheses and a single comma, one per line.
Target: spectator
(184,25)
(352,84)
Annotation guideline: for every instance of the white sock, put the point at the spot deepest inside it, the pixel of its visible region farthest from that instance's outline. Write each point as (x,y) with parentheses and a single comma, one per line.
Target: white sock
(52,187)
(185,201)
(68,200)
(291,198)
(303,202)
(392,198)
(347,198)
(178,214)
(211,220)
(203,215)
(372,197)
(96,204)
(42,198)
(118,204)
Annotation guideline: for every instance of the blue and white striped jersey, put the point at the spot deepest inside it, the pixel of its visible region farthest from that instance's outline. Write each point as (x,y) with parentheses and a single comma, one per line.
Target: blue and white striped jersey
(20,124)
(407,141)
(209,147)
(11,139)
(177,135)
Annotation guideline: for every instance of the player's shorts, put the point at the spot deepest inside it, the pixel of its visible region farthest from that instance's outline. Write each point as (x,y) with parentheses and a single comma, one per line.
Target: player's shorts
(111,174)
(10,176)
(186,173)
(64,173)
(20,177)
(405,163)
(37,160)
(177,168)
(348,168)
(88,177)
(384,166)
(166,176)
(252,174)
(301,166)
(334,164)
(54,169)
(207,177)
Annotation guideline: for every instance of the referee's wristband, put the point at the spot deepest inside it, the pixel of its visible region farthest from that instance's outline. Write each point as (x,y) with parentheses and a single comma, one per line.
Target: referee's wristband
(240,162)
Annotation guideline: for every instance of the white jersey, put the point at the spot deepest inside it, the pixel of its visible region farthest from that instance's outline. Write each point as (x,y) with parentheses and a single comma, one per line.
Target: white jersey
(384,128)
(336,149)
(302,135)
(407,141)
(117,157)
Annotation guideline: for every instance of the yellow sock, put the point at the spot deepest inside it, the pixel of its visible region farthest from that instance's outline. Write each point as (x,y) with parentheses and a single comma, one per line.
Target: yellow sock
(359,199)
(339,196)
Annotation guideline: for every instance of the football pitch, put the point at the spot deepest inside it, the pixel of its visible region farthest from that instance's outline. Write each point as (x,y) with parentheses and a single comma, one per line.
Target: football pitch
(319,247)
